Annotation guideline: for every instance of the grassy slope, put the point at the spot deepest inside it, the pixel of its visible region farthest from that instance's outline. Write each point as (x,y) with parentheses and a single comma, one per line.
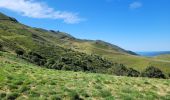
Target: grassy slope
(26,81)
(136,62)
(165,57)
(21,34)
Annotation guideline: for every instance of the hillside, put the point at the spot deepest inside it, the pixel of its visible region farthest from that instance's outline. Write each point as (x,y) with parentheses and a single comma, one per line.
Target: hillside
(59,38)
(165,57)
(14,35)
(22,80)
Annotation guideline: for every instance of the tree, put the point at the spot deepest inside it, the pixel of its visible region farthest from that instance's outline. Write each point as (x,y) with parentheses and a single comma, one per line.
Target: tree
(153,72)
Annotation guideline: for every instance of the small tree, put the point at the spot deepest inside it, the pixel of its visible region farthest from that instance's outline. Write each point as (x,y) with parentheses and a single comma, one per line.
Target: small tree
(153,72)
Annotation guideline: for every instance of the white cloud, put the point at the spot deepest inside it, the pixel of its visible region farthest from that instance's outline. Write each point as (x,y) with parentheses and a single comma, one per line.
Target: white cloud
(135,5)
(34,9)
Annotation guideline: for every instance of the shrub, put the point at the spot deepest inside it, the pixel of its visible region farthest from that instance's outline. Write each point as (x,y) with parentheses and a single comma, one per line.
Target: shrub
(133,73)
(36,58)
(66,67)
(57,66)
(35,55)
(50,62)
(120,70)
(153,72)
(19,52)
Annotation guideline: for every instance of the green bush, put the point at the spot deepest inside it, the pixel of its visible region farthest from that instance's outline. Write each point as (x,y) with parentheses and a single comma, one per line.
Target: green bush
(153,72)
(57,66)
(120,70)
(55,57)
(36,58)
(133,73)
(19,52)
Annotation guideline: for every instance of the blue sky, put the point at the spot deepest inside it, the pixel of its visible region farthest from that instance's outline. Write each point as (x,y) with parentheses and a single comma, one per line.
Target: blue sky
(137,25)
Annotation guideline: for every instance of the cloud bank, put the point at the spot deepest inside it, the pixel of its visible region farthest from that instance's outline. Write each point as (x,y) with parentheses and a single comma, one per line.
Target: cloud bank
(34,9)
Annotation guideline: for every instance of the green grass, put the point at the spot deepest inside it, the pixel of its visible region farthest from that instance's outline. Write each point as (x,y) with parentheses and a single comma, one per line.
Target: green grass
(21,80)
(140,63)
(165,57)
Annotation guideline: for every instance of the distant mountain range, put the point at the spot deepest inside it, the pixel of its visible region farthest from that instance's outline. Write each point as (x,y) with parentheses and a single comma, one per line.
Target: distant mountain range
(153,53)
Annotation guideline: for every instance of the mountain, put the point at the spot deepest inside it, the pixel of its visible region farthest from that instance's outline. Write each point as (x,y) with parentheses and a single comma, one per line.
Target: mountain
(87,46)
(61,47)
(69,41)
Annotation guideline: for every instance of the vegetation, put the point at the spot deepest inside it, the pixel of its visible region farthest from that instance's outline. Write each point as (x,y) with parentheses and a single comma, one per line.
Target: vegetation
(153,72)
(14,35)
(76,61)
(1,47)
(133,73)
(26,69)
(52,50)
(19,52)
(22,80)
(164,57)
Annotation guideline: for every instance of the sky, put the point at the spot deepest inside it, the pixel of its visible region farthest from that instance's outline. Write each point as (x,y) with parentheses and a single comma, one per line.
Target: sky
(137,25)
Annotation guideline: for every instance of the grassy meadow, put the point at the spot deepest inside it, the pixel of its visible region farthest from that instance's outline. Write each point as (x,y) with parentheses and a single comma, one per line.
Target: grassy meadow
(24,81)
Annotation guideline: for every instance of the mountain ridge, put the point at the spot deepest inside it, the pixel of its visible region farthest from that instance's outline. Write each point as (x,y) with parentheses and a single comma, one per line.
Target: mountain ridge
(63,35)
